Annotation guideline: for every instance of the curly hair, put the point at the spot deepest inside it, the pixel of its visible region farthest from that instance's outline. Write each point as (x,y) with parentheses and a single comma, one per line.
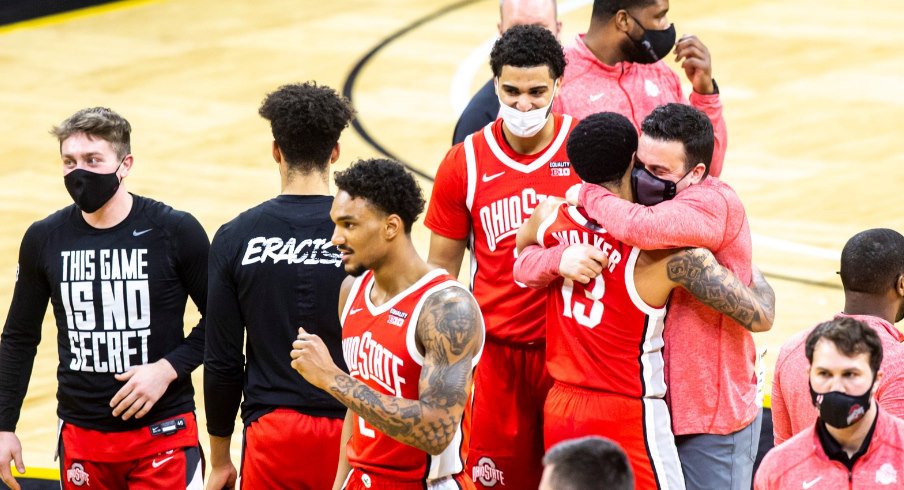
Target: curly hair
(98,122)
(386,185)
(601,146)
(527,46)
(872,261)
(687,125)
(306,120)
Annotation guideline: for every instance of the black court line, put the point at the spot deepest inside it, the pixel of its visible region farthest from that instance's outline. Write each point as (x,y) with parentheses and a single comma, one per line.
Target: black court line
(349,86)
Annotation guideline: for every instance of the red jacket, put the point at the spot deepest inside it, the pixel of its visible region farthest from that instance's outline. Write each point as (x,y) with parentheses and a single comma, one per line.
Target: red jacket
(802,463)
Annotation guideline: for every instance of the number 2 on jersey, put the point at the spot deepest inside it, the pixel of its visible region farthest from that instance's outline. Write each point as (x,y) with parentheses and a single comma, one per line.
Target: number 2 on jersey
(576,307)
(364,429)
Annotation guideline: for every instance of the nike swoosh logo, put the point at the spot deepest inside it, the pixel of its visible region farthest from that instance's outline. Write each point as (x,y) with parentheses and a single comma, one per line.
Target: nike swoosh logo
(487,178)
(596,97)
(139,233)
(353,311)
(808,484)
(157,464)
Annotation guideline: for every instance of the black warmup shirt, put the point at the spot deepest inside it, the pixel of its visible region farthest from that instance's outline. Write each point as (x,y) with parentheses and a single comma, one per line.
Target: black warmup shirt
(118,297)
(272,269)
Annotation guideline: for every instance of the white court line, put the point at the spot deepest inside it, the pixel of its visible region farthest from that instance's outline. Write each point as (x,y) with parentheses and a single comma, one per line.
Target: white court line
(460,95)
(460,88)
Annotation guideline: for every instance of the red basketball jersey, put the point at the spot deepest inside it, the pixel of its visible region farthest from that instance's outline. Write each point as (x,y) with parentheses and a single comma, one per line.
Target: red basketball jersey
(380,349)
(484,191)
(601,336)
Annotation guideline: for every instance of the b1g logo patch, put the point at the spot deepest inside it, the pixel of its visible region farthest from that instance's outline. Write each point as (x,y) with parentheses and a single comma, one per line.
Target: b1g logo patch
(77,475)
(486,473)
(560,169)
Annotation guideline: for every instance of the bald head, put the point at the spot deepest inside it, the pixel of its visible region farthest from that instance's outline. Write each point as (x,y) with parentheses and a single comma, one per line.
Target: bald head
(529,12)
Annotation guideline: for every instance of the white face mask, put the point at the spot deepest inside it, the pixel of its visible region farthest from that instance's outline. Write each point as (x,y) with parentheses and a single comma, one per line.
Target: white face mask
(525,124)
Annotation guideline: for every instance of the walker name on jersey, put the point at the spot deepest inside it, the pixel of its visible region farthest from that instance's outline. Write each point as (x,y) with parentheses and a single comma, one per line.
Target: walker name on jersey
(572,237)
(502,218)
(309,252)
(123,309)
(369,360)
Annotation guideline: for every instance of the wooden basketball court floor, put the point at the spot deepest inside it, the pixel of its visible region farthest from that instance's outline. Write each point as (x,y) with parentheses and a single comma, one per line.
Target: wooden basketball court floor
(812,95)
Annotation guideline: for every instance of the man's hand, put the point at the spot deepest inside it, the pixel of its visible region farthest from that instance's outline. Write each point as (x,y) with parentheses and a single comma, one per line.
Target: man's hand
(312,360)
(221,477)
(572,194)
(10,450)
(145,385)
(698,65)
(582,263)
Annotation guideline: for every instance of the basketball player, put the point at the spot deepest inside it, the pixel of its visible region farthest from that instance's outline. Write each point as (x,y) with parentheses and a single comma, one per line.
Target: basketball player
(411,335)
(618,66)
(117,269)
(710,357)
(485,188)
(605,338)
(872,273)
(483,108)
(273,268)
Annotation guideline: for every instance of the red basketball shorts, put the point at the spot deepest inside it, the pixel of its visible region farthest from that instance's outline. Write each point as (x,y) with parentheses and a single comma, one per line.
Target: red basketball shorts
(165,454)
(642,427)
(510,387)
(289,450)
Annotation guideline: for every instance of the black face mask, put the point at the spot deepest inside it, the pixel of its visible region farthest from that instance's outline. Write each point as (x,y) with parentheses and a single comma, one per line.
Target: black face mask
(841,410)
(653,45)
(649,189)
(91,190)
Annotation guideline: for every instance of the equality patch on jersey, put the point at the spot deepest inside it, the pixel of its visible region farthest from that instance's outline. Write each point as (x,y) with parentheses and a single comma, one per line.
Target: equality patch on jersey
(77,475)
(486,473)
(560,169)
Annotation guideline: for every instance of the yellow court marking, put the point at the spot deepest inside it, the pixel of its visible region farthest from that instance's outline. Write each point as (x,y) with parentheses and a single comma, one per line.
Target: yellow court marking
(62,17)
(38,473)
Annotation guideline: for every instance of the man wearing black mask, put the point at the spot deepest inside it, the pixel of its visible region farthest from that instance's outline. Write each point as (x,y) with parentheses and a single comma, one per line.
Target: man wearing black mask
(854,443)
(117,269)
(617,66)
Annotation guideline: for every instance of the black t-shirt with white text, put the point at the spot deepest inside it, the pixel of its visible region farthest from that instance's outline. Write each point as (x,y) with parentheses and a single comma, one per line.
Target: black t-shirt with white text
(272,269)
(118,296)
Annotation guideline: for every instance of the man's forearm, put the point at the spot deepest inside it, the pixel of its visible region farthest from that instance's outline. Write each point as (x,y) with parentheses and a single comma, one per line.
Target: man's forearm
(410,422)
(219,450)
(537,267)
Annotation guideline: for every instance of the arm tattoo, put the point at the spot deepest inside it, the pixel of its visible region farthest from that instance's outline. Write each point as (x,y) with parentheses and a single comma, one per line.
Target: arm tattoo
(450,330)
(715,286)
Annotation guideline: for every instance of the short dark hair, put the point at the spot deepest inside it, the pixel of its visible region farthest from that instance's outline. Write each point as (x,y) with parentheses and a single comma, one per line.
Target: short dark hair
(605,9)
(850,336)
(98,122)
(306,120)
(527,46)
(872,261)
(687,125)
(589,463)
(601,146)
(386,185)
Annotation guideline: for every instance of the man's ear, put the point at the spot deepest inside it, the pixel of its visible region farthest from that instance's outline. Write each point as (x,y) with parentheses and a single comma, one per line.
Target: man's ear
(126,166)
(276,152)
(899,286)
(393,227)
(334,154)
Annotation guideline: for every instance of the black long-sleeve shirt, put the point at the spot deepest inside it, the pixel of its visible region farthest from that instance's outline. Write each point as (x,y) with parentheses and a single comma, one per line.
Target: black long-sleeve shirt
(272,269)
(118,296)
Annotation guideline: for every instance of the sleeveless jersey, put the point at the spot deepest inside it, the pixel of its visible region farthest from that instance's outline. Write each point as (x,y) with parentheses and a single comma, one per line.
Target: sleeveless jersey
(380,350)
(484,191)
(601,336)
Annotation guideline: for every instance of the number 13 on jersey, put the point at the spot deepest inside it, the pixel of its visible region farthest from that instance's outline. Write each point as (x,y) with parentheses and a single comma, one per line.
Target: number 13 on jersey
(592,300)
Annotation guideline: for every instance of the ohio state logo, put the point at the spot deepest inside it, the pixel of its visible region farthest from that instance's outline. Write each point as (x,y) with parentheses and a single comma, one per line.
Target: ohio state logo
(486,473)
(77,475)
